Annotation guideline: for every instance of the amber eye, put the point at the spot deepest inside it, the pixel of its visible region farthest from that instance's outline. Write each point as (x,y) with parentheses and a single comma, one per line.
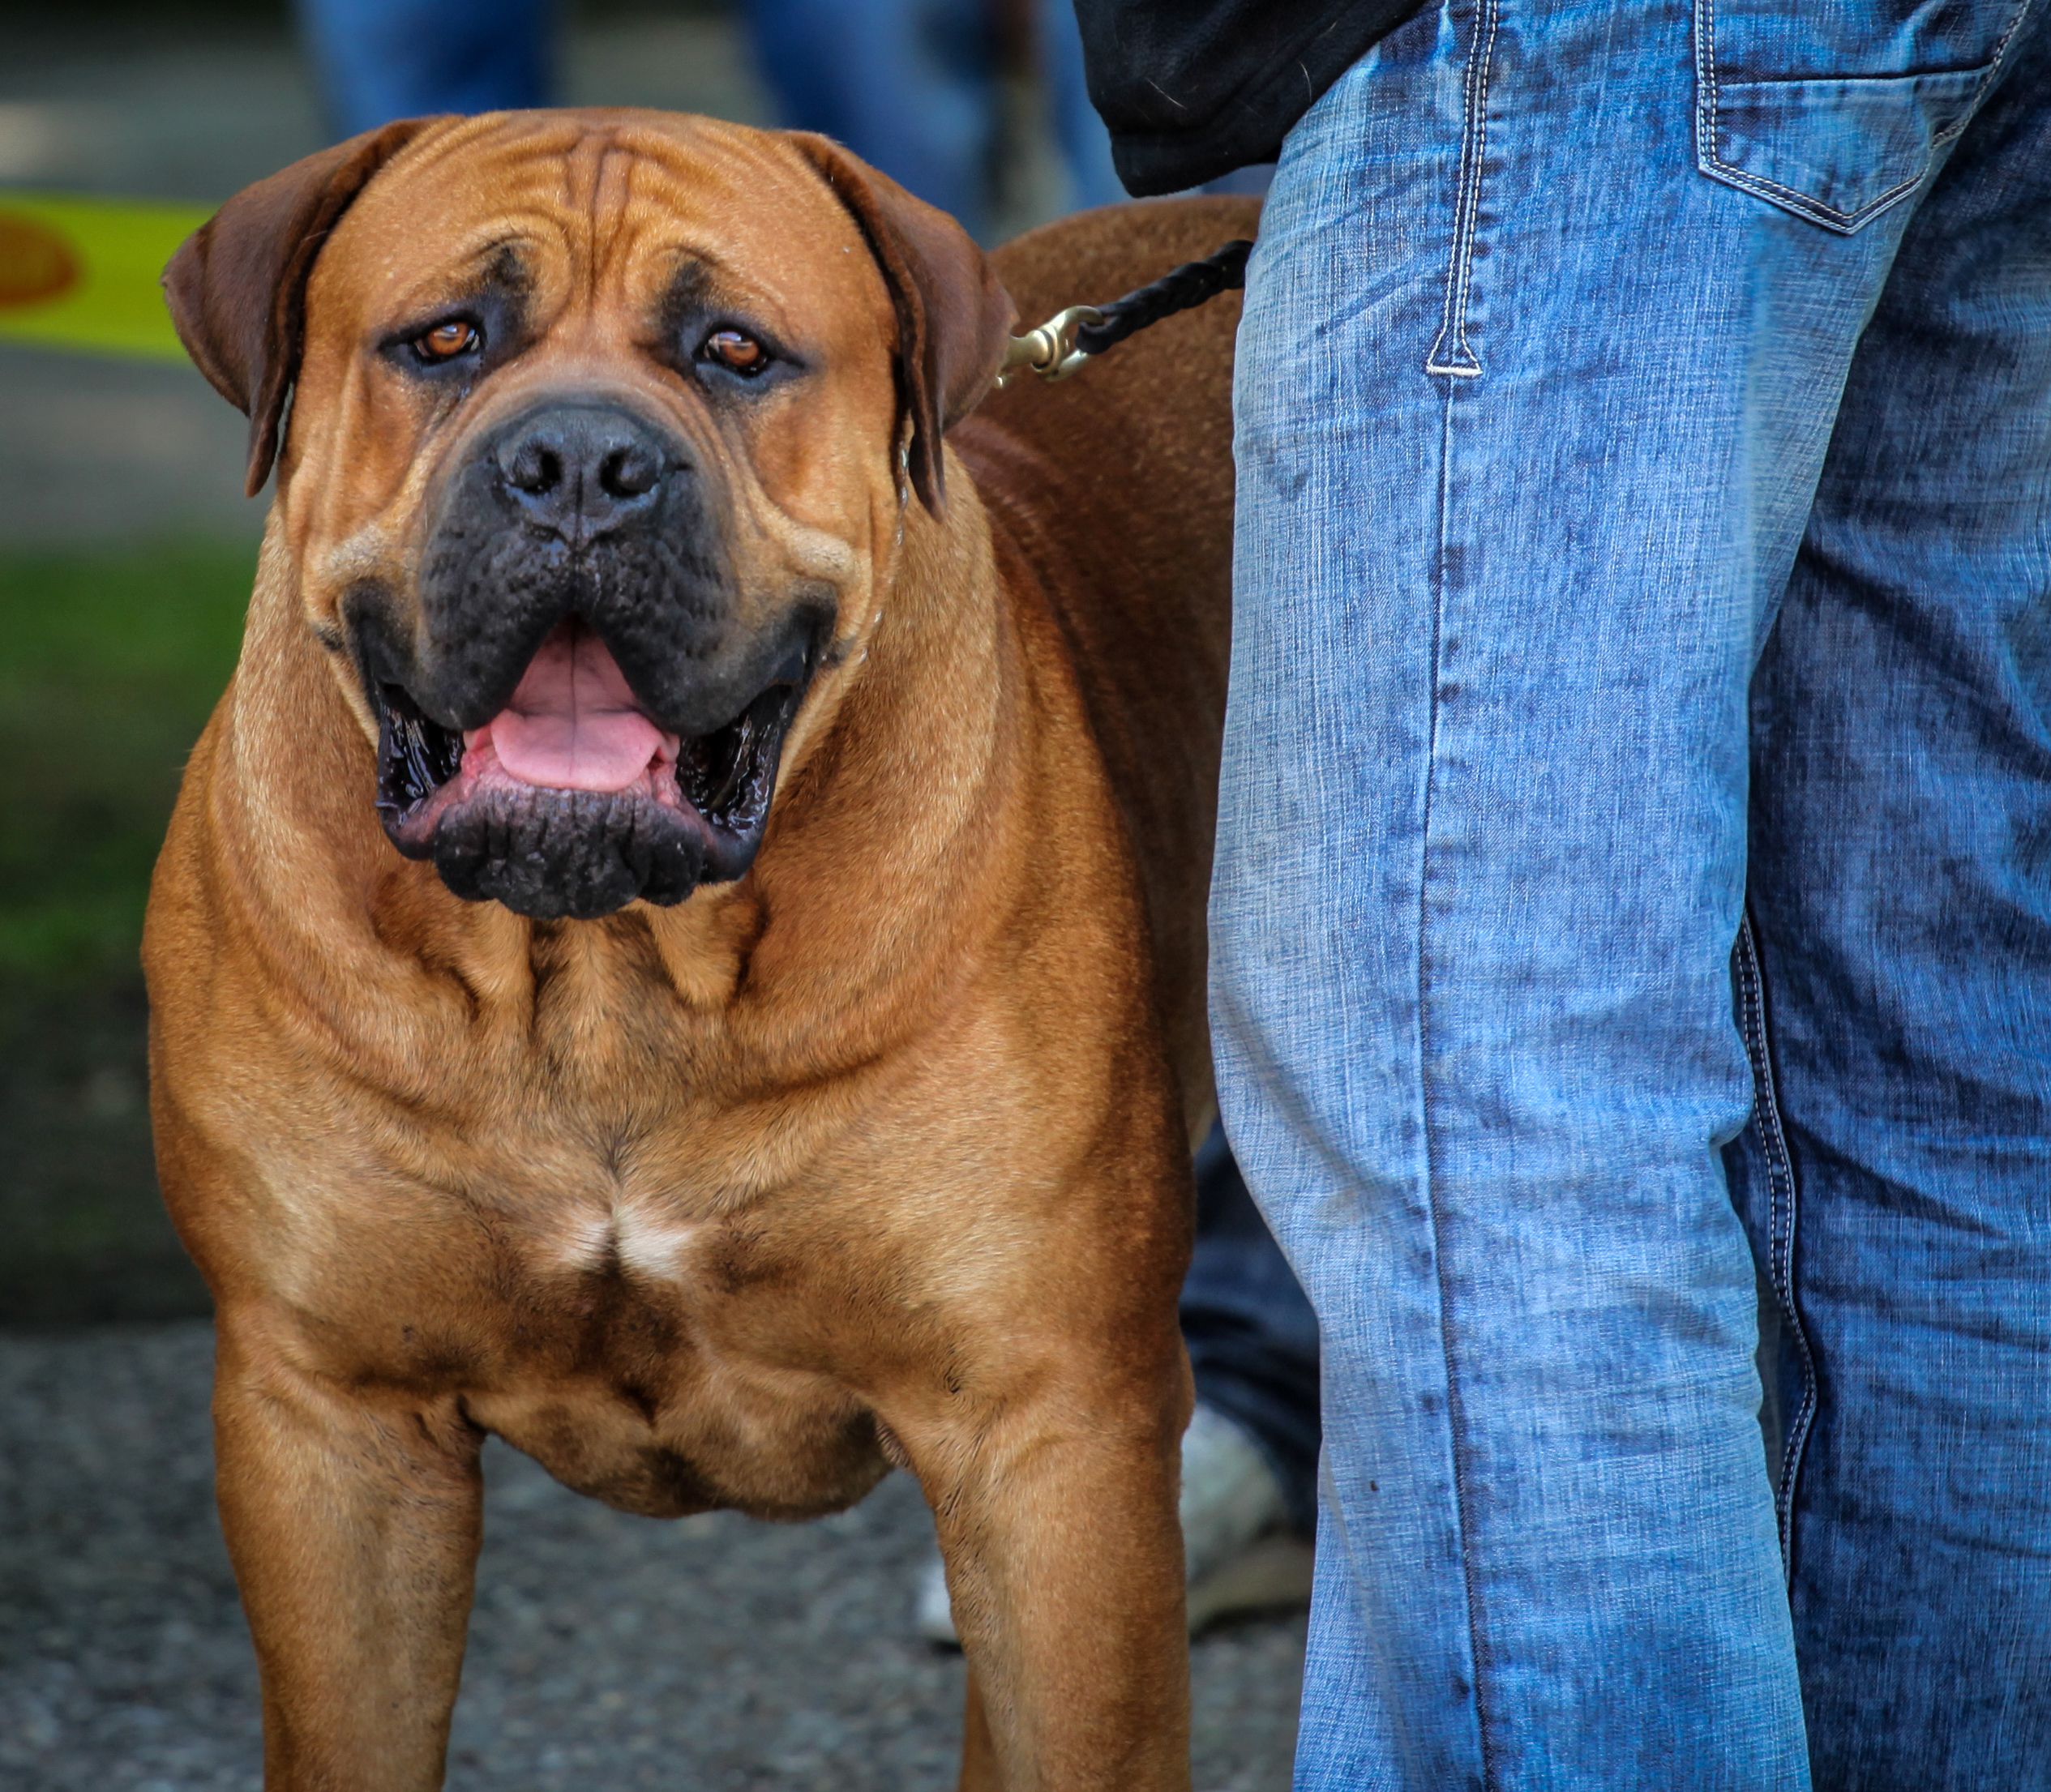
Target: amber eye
(446,341)
(737,352)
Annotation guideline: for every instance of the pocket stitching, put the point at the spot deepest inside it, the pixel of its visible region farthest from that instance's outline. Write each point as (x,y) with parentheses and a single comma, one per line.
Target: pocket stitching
(1709,152)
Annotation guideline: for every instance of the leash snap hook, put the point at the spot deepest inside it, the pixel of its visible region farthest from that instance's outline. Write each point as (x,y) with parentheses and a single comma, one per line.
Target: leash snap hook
(1050,350)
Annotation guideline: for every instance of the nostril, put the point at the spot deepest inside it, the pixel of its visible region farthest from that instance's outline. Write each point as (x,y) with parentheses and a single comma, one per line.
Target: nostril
(536,468)
(629,472)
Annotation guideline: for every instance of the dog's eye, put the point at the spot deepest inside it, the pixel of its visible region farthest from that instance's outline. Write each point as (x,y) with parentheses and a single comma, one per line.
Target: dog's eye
(446,341)
(736,352)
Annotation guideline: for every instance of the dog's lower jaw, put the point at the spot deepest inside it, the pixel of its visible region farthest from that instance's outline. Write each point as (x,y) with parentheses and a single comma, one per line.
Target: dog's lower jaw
(572,855)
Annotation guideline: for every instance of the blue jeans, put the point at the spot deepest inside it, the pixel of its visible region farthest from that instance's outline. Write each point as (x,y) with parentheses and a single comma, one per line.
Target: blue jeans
(1644,445)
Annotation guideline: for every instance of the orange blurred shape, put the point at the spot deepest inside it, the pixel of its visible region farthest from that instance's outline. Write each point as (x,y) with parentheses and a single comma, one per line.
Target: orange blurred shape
(37,264)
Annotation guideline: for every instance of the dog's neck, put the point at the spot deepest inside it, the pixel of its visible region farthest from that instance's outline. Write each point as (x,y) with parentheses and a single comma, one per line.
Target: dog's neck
(883,827)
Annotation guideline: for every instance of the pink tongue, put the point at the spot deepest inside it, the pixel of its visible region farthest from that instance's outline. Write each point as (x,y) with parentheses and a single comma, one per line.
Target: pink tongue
(573,724)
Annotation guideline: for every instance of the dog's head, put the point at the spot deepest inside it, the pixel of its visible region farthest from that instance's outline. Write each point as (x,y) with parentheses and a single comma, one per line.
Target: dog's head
(602,428)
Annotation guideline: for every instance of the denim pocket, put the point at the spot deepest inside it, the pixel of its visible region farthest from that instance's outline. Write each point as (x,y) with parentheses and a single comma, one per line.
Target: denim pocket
(1836,112)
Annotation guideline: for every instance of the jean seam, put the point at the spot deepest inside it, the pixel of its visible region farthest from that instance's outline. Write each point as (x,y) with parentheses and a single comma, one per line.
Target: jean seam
(1780,1180)
(1709,140)
(1451,353)
(1454,1418)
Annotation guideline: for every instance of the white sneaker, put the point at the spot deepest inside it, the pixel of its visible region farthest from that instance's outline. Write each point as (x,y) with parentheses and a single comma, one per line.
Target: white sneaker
(1241,1555)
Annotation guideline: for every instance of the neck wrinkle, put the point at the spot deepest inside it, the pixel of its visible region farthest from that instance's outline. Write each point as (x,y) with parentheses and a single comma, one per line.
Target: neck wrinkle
(305,870)
(865,891)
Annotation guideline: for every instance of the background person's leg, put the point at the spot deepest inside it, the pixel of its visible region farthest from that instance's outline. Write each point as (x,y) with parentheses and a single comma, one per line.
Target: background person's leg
(1530,412)
(378,60)
(1253,1337)
(1085,142)
(1901,892)
(910,85)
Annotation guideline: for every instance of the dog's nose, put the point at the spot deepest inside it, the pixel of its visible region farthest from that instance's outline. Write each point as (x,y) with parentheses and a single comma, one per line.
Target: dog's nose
(583,470)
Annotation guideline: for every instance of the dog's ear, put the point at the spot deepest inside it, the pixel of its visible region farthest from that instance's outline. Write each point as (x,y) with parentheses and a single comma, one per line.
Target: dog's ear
(954,317)
(237,287)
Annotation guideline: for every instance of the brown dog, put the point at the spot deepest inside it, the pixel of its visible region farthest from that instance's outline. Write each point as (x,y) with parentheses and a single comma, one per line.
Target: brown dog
(721,1150)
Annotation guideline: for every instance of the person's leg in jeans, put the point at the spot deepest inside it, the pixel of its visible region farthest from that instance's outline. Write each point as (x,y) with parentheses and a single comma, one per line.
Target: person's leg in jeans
(1901,879)
(378,60)
(1543,348)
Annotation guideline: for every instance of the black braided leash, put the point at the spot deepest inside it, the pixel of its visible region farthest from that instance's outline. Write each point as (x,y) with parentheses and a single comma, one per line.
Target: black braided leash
(1061,344)
(1194,283)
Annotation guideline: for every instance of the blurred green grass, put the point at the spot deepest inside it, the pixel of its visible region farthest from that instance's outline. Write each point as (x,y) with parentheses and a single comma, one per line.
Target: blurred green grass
(112,664)
(112,661)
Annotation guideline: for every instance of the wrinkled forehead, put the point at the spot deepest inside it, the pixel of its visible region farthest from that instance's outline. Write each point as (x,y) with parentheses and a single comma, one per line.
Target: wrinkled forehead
(600,208)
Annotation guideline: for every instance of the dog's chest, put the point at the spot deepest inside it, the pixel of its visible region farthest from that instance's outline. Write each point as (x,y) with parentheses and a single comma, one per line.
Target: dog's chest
(615,1264)
(662,1362)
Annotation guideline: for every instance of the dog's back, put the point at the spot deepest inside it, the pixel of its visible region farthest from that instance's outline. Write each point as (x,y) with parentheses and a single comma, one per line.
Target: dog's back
(1116,483)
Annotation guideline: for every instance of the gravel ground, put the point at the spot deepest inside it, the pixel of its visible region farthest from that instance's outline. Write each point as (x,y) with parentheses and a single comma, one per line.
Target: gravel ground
(606,1652)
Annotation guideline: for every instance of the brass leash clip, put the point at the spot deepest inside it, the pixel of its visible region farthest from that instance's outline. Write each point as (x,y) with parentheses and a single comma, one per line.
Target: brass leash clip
(1049,351)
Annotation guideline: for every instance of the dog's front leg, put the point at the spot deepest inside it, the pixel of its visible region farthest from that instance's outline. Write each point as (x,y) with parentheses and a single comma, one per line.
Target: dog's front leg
(353,1519)
(1064,1564)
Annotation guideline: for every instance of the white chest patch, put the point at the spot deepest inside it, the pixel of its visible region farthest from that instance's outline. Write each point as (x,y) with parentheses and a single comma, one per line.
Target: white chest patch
(632,1239)
(649,1245)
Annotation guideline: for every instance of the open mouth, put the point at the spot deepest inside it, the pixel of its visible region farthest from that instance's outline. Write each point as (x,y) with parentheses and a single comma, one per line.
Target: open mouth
(572,801)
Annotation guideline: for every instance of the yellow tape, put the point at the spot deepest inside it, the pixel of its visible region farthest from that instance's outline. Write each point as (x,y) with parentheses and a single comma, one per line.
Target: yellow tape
(78,273)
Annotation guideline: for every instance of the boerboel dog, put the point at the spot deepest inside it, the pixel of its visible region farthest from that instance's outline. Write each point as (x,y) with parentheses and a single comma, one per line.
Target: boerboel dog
(681,946)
